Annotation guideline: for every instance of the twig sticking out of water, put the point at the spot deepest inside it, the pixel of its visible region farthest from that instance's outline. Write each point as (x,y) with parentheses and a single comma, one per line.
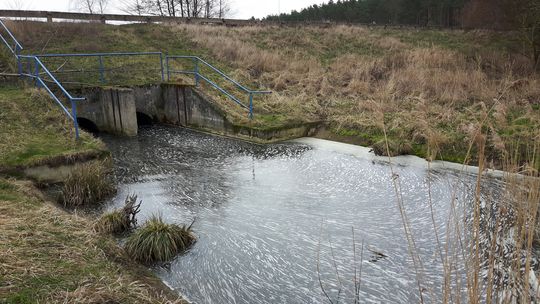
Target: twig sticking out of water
(357,276)
(131,209)
(319,267)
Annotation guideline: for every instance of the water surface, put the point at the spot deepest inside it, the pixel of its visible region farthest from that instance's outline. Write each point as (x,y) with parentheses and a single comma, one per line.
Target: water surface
(274,222)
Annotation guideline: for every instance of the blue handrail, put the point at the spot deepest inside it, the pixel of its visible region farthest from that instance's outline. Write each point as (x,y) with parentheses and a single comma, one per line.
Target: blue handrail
(101,55)
(40,82)
(17,46)
(164,68)
(197,74)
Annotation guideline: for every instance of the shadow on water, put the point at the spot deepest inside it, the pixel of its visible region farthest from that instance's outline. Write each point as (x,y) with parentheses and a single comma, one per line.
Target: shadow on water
(265,212)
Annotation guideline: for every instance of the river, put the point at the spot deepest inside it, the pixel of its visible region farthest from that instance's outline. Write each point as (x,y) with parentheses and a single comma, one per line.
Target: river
(275,222)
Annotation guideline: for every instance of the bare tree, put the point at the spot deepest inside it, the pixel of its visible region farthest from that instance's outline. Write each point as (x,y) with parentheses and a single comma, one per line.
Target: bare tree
(91,6)
(135,7)
(102,5)
(223,9)
(182,8)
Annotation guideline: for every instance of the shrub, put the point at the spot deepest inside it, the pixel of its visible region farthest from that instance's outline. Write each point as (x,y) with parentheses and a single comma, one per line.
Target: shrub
(87,184)
(396,148)
(157,241)
(120,220)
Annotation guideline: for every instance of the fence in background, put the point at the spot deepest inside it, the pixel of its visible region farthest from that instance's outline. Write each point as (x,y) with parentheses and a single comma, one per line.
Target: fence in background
(33,68)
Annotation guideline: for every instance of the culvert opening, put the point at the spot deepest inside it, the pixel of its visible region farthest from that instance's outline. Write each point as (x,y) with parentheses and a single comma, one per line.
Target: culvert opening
(87,125)
(144,120)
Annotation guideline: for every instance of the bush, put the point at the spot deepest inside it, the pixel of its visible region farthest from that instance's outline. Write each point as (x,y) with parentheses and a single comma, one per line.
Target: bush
(396,148)
(87,184)
(157,241)
(120,220)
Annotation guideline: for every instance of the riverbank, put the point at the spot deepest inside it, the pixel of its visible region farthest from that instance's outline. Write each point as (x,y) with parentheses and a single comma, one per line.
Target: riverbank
(427,92)
(49,255)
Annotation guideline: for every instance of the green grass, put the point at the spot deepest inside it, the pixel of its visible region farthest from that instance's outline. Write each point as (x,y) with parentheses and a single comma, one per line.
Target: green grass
(50,256)
(456,40)
(157,241)
(34,129)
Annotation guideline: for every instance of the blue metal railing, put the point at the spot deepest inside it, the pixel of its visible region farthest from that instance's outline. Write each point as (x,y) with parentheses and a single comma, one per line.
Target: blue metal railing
(165,68)
(101,56)
(197,63)
(15,47)
(35,71)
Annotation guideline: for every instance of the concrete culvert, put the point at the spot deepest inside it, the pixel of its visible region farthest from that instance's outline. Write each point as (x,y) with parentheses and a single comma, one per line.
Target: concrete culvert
(87,125)
(144,120)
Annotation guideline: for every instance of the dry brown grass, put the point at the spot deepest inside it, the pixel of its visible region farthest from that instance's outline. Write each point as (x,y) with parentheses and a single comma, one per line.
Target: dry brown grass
(431,94)
(432,85)
(49,256)
(87,184)
(488,250)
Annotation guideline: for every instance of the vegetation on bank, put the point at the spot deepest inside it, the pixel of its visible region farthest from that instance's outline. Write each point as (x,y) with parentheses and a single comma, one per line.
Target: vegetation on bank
(87,184)
(157,241)
(46,254)
(50,256)
(426,89)
(35,130)
(120,220)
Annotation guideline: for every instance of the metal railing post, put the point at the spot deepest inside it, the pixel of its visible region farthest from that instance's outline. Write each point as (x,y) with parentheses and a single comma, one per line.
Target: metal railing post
(101,70)
(19,62)
(196,71)
(74,116)
(162,68)
(29,71)
(250,105)
(19,66)
(168,68)
(36,71)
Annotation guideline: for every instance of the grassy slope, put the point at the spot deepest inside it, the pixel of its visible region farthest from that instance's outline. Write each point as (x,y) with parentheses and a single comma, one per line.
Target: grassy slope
(46,254)
(34,130)
(50,256)
(427,89)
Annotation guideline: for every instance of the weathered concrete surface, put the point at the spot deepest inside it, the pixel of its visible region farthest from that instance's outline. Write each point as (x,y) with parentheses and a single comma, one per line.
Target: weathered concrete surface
(112,110)
(115,111)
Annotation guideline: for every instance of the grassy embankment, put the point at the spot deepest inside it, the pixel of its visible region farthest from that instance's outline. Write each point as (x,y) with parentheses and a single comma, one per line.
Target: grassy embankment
(427,89)
(48,255)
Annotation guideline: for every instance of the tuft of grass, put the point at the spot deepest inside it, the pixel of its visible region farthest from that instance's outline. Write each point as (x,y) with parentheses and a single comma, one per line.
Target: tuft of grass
(158,241)
(120,220)
(112,222)
(87,184)
(50,256)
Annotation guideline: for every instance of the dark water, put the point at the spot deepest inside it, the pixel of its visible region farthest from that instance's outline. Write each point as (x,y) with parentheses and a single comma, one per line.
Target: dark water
(267,216)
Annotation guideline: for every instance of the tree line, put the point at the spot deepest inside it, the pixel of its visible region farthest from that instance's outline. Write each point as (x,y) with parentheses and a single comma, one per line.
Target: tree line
(172,8)
(522,16)
(407,12)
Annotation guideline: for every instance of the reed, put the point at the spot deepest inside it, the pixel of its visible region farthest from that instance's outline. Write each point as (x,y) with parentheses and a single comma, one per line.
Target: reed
(87,184)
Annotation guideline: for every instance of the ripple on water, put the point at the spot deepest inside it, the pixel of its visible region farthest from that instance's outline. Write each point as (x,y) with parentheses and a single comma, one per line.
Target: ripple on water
(266,213)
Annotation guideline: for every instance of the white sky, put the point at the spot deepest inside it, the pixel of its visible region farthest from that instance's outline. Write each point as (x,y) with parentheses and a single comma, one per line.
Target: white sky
(242,9)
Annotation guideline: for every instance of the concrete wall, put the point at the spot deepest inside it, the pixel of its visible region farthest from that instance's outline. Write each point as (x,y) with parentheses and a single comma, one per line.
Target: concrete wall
(115,110)
(112,110)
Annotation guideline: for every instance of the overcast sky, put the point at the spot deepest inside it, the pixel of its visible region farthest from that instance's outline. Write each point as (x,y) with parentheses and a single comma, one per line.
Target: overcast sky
(242,9)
